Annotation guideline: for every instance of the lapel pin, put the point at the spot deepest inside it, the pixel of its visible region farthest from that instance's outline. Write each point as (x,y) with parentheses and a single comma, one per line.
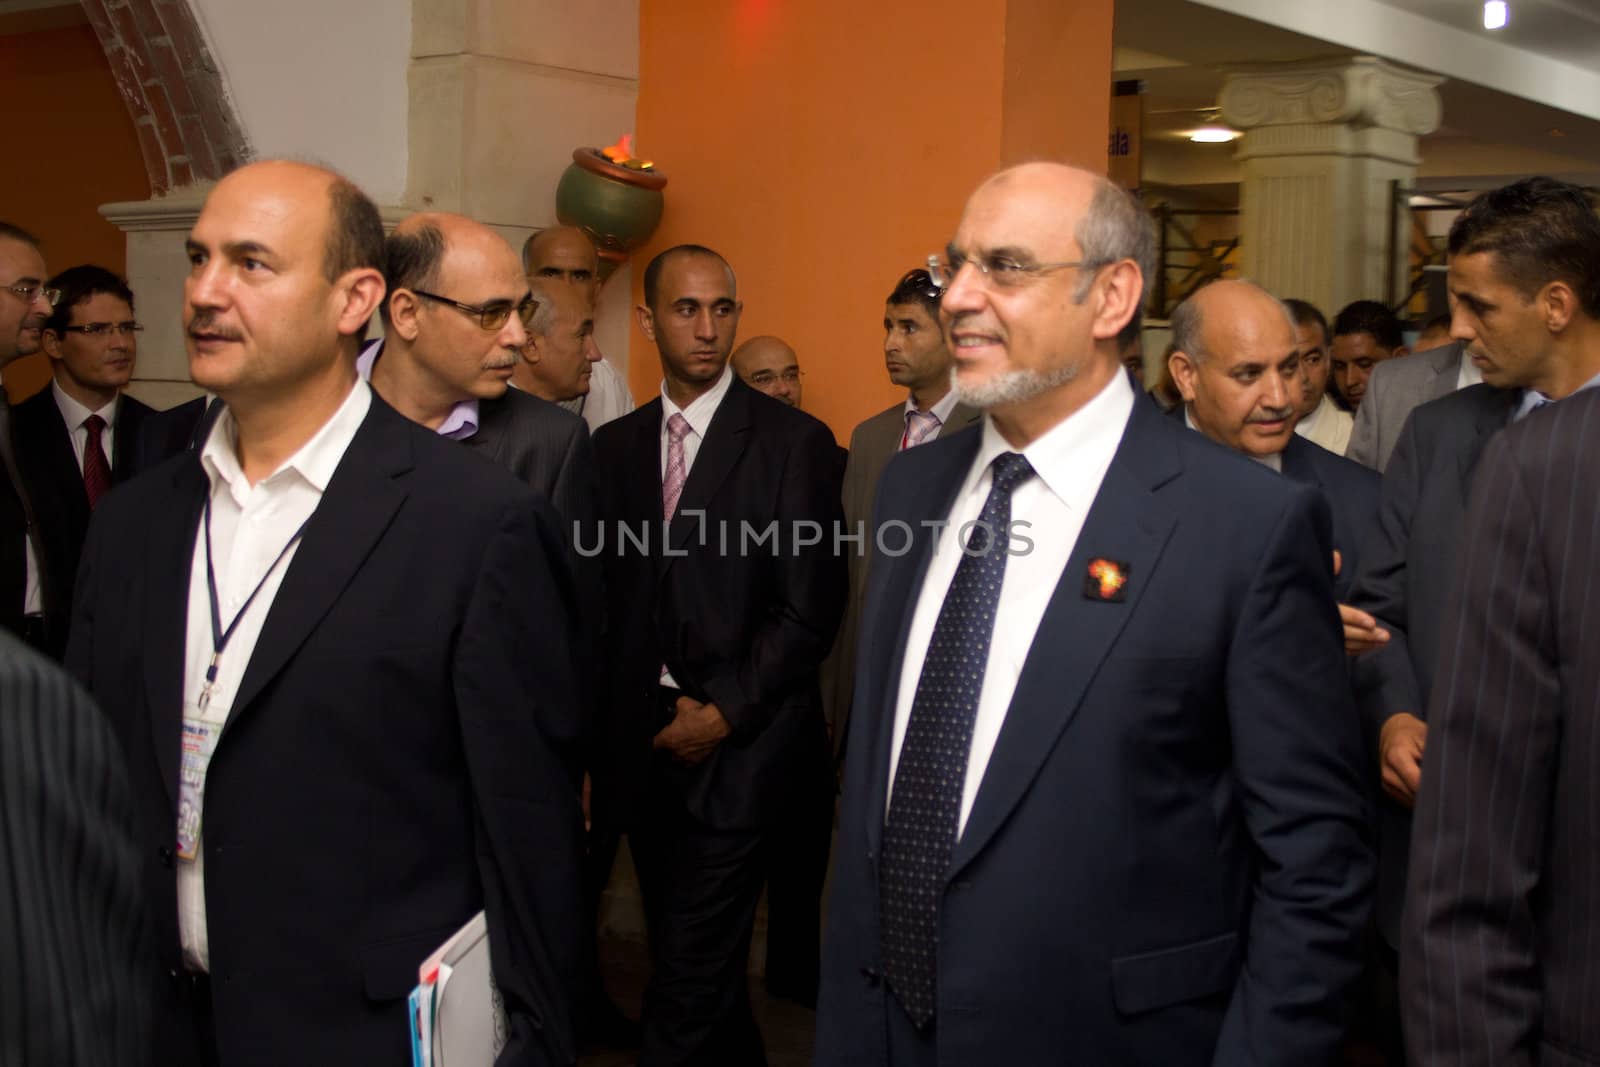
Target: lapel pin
(1107,580)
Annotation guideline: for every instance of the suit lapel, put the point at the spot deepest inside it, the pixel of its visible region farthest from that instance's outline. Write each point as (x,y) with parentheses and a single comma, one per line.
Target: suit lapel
(1492,416)
(168,564)
(723,445)
(489,439)
(960,418)
(1446,363)
(1127,523)
(360,501)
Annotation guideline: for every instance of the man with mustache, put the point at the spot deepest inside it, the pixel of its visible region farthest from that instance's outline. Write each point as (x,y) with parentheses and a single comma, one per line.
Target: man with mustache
(1237,365)
(25,303)
(77,438)
(1524,279)
(1102,795)
(715,641)
(455,322)
(336,650)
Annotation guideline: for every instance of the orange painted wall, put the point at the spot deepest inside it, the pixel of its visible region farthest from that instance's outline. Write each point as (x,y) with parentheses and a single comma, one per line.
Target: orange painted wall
(826,147)
(81,152)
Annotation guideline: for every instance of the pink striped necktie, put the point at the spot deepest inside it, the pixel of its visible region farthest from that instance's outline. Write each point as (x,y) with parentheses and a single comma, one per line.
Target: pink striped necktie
(921,427)
(677,467)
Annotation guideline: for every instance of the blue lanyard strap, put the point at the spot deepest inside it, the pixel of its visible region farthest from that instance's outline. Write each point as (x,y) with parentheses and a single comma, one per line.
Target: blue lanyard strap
(219,636)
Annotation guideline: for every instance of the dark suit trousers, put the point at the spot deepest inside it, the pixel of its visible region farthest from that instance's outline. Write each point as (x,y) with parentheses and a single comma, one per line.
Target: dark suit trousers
(797,865)
(700,887)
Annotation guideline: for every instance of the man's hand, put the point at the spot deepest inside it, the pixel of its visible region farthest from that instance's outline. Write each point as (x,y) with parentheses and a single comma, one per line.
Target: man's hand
(1400,746)
(1361,631)
(694,732)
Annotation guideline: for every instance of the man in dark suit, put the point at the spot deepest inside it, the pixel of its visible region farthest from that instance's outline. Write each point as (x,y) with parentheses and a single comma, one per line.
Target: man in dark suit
(73,927)
(1101,802)
(1502,925)
(1518,256)
(715,636)
(76,437)
(1236,361)
(25,303)
(441,365)
(340,746)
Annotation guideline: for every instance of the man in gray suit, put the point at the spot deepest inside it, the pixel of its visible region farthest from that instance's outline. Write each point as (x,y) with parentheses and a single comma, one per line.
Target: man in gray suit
(72,920)
(1525,280)
(1396,387)
(1502,931)
(914,352)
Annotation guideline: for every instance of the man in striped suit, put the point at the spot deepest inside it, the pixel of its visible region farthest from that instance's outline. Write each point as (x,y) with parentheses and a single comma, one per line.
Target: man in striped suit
(72,920)
(1501,958)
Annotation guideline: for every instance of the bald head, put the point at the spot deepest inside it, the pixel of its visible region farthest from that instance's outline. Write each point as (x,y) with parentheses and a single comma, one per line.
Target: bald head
(561,252)
(428,251)
(1237,363)
(769,365)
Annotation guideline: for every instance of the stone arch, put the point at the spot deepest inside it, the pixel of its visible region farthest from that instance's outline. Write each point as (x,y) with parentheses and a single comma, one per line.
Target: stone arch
(188,129)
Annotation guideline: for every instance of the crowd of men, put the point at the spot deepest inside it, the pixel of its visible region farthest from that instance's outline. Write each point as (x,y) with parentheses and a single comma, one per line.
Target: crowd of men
(1258,729)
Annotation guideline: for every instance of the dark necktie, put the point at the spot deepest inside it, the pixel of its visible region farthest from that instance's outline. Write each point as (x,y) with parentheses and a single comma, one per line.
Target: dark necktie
(96,468)
(925,804)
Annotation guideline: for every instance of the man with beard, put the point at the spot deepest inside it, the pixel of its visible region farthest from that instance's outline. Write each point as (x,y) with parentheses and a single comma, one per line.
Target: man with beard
(1104,805)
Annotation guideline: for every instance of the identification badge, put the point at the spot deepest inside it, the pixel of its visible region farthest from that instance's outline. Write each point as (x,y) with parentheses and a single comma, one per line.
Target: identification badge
(200,735)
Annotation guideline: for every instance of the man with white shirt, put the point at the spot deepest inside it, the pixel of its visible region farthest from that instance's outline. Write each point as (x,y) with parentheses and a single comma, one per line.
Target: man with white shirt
(25,303)
(311,635)
(77,437)
(717,624)
(1321,421)
(1236,362)
(1103,804)
(565,254)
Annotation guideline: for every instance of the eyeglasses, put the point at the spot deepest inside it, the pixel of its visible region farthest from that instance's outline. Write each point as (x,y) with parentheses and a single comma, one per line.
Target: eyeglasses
(1002,272)
(27,291)
(766,377)
(106,329)
(493,315)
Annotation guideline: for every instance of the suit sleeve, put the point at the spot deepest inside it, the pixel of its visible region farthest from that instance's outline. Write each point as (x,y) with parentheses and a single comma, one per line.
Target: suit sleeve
(1363,446)
(788,646)
(1385,680)
(1296,760)
(1469,975)
(517,705)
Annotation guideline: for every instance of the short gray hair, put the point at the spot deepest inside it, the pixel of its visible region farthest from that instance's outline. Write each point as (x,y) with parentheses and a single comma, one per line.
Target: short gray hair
(544,320)
(1117,227)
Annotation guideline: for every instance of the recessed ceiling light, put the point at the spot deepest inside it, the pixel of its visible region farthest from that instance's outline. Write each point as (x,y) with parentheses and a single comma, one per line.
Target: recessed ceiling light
(1213,135)
(1495,14)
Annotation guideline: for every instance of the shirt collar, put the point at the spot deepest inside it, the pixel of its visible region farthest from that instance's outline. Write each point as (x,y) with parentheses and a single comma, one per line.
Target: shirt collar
(1273,460)
(74,413)
(1070,458)
(940,410)
(1532,399)
(315,461)
(702,407)
(460,424)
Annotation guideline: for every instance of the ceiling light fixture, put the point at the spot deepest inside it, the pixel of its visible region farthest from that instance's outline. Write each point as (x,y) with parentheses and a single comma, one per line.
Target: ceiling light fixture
(1213,135)
(1495,15)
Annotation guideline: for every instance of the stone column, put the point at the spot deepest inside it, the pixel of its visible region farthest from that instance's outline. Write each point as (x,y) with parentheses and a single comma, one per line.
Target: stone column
(1323,142)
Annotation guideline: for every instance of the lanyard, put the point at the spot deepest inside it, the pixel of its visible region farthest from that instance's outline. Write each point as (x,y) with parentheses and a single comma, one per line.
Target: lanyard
(219,636)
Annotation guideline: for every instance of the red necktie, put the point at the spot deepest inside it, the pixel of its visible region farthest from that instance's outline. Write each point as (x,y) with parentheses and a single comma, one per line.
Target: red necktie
(96,468)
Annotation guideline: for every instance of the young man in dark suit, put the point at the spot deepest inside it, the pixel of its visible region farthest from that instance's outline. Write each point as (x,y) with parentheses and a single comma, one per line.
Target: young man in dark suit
(1102,797)
(76,438)
(1502,921)
(715,641)
(1524,261)
(340,745)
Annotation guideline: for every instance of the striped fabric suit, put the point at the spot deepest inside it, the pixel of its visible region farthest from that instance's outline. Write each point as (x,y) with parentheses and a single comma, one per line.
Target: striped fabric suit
(75,985)
(1501,958)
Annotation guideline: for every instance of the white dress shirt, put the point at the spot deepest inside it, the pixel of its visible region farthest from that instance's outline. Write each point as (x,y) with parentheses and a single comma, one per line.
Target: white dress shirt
(699,413)
(250,525)
(1069,463)
(1327,426)
(74,414)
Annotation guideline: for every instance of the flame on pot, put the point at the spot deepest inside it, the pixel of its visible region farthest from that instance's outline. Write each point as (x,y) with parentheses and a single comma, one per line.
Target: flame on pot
(621,154)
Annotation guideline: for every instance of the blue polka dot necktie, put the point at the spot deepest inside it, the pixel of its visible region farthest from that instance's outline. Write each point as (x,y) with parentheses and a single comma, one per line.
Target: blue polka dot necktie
(925,803)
